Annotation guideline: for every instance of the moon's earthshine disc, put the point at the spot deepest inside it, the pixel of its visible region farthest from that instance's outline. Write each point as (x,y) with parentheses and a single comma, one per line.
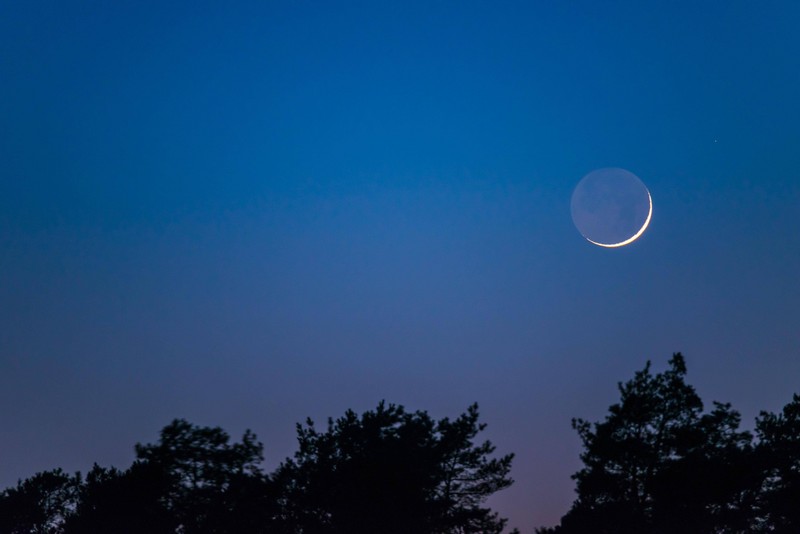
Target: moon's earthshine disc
(611,207)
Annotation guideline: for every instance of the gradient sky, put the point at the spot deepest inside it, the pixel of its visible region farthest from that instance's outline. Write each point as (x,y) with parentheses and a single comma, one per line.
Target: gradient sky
(251,213)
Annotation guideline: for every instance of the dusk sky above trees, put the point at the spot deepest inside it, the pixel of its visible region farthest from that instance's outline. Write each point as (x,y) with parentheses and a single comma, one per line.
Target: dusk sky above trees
(244,215)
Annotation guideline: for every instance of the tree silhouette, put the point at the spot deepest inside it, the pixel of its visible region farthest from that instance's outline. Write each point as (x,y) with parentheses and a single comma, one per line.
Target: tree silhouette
(391,471)
(387,471)
(192,481)
(210,484)
(122,502)
(40,504)
(779,454)
(657,464)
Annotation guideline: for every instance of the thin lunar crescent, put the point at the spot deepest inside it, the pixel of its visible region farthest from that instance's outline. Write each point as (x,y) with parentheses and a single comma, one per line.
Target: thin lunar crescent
(611,207)
(635,236)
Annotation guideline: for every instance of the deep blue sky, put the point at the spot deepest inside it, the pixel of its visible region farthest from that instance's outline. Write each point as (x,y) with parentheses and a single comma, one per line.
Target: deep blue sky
(248,214)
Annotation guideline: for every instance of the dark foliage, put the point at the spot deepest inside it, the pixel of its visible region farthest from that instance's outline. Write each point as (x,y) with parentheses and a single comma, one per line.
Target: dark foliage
(387,471)
(124,502)
(208,483)
(391,471)
(779,455)
(659,464)
(40,504)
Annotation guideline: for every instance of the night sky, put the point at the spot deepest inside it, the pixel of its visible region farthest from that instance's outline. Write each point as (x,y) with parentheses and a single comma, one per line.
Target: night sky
(251,213)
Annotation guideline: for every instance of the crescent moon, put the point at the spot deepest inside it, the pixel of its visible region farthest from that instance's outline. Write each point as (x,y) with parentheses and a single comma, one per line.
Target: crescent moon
(635,236)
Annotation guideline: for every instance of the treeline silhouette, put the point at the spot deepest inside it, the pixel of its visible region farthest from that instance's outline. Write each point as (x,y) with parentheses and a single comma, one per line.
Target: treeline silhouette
(387,471)
(659,463)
